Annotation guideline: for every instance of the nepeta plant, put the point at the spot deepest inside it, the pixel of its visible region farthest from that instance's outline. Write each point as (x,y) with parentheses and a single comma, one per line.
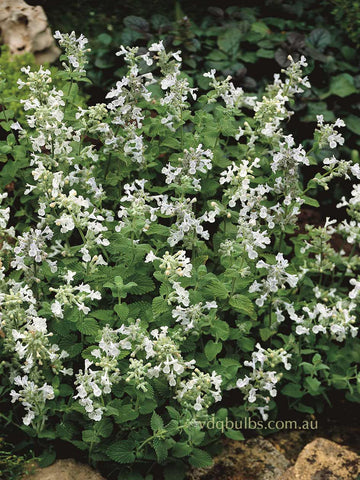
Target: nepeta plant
(151,261)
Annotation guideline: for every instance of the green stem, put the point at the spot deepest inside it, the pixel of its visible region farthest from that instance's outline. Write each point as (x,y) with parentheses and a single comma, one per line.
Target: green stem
(321,261)
(281,240)
(4,111)
(270,311)
(68,94)
(107,166)
(182,131)
(232,286)
(348,259)
(146,442)
(321,177)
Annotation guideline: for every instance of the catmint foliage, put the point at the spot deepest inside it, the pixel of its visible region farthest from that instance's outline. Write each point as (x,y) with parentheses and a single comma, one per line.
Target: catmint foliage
(153,266)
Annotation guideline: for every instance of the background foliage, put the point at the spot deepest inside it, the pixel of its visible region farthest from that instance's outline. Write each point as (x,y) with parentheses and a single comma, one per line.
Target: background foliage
(248,41)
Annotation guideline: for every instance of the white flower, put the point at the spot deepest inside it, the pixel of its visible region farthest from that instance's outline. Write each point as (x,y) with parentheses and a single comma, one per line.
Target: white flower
(56,308)
(69,276)
(150,257)
(252,395)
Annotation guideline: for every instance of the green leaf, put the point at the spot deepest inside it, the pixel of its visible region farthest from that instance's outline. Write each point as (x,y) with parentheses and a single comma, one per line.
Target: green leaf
(122,311)
(65,431)
(172,427)
(234,435)
(246,344)
(121,451)
(181,449)
(243,304)
(308,368)
(5,148)
(217,55)
(79,444)
(249,57)
(159,306)
(319,38)
(171,142)
(161,449)
(47,458)
(318,108)
(300,407)
(341,85)
(215,288)
(144,284)
(266,333)
(348,52)
(88,326)
(122,413)
(158,230)
(311,201)
(261,28)
(353,123)
(104,315)
(75,349)
(212,349)
(263,53)
(292,390)
(9,172)
(220,329)
(90,436)
(104,427)
(49,434)
(313,385)
(136,23)
(196,436)
(174,414)
(65,390)
(156,422)
(229,41)
(200,459)
(103,63)
(104,38)
(147,406)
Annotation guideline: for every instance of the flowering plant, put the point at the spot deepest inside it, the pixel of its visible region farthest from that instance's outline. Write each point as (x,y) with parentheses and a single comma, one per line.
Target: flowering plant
(151,262)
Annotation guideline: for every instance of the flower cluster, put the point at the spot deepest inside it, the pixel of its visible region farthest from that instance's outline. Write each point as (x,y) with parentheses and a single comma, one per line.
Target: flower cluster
(68,294)
(327,133)
(75,51)
(32,397)
(193,316)
(92,384)
(260,385)
(200,391)
(276,278)
(163,359)
(337,320)
(185,169)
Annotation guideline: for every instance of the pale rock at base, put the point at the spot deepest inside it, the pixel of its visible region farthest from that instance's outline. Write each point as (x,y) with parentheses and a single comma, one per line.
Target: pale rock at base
(254,459)
(324,460)
(67,469)
(24,28)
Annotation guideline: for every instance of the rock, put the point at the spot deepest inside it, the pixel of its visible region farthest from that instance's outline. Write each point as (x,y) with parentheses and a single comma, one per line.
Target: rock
(255,459)
(65,470)
(25,29)
(324,460)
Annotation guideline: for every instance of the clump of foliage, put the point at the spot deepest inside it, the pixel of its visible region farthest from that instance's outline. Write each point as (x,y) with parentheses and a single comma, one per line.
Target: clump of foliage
(10,68)
(248,42)
(348,13)
(12,466)
(152,265)
(11,71)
